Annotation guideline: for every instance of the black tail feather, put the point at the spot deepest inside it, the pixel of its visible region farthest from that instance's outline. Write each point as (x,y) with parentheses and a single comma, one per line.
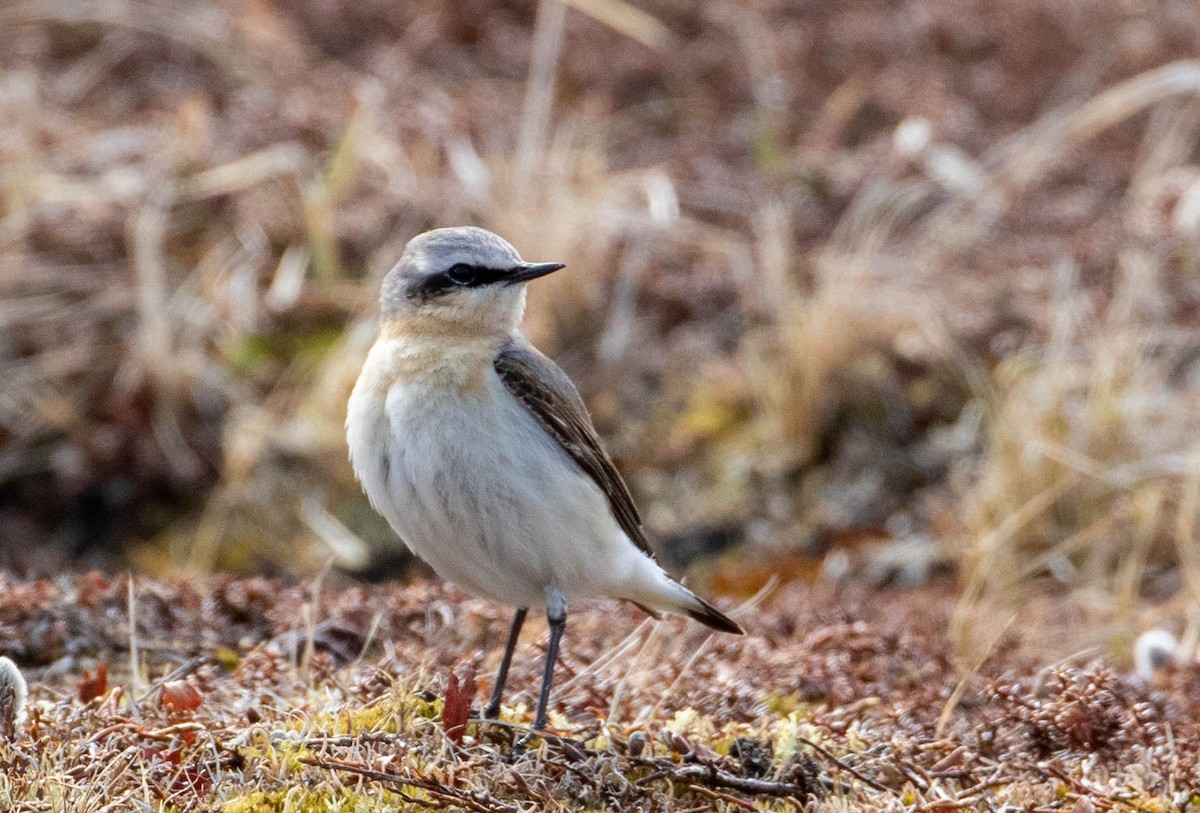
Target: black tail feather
(710,616)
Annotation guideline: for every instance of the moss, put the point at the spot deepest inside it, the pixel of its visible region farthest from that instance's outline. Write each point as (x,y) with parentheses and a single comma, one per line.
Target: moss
(228,659)
(782,705)
(391,714)
(786,735)
(319,800)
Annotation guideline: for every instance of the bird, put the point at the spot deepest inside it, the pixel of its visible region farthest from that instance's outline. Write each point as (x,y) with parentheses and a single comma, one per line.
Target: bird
(480,453)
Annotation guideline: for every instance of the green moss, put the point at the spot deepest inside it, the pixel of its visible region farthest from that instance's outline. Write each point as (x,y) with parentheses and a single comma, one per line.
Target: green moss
(319,800)
(228,659)
(784,704)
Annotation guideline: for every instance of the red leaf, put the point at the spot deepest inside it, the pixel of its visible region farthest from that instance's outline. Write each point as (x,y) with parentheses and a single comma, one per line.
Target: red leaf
(179,696)
(93,686)
(156,754)
(188,780)
(457,707)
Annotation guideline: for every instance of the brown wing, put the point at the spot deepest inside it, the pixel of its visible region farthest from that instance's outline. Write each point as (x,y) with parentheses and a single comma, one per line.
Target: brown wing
(548,393)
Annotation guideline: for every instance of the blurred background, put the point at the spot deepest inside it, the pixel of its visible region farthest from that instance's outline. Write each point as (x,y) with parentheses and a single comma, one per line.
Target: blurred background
(869,290)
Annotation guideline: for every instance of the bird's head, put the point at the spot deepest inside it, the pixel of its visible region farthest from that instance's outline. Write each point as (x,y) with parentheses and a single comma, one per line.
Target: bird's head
(461,280)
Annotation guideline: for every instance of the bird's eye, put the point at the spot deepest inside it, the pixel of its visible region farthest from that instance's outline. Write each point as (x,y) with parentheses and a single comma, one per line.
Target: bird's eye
(462,275)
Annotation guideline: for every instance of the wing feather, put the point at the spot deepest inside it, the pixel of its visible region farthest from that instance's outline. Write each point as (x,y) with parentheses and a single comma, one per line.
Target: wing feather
(547,392)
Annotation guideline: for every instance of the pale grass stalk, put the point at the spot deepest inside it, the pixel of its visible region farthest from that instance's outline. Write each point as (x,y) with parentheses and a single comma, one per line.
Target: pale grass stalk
(961,687)
(135,668)
(614,653)
(755,601)
(347,548)
(618,330)
(1171,135)
(207,34)
(91,69)
(985,566)
(627,19)
(539,94)
(1186,542)
(204,548)
(285,159)
(1149,503)
(748,606)
(1079,462)
(169,435)
(343,164)
(310,612)
(1126,99)
(684,670)
(319,215)
(369,638)
(778,295)
(1082,540)
(288,280)
(653,643)
(1189,642)
(147,230)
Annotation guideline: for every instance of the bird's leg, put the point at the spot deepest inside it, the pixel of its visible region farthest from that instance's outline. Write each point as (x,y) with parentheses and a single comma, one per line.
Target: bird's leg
(492,709)
(556,614)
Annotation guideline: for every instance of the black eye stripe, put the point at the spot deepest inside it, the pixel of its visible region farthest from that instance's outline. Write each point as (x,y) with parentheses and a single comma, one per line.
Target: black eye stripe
(460,275)
(471,276)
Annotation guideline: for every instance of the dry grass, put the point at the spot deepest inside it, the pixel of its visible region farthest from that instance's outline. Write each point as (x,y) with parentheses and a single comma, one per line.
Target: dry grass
(260,698)
(895,284)
(1086,471)
(1075,464)
(882,304)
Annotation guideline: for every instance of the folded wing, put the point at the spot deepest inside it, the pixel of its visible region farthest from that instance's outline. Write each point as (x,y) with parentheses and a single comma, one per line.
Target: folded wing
(548,393)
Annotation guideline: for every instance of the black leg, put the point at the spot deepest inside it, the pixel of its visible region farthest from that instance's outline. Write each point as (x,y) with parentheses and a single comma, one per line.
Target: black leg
(492,709)
(556,614)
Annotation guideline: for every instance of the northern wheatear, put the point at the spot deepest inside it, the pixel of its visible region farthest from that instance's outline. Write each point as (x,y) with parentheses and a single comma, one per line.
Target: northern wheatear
(479,452)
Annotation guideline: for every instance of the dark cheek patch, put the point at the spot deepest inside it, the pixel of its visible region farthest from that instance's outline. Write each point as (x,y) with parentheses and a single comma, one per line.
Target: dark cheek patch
(417,290)
(426,288)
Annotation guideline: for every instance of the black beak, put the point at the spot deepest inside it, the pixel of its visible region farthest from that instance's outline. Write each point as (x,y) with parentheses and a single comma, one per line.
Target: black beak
(527,271)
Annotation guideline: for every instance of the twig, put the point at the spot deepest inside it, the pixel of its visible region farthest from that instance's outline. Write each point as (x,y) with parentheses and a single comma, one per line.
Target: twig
(1096,794)
(722,797)
(480,802)
(871,783)
(171,731)
(186,668)
(714,777)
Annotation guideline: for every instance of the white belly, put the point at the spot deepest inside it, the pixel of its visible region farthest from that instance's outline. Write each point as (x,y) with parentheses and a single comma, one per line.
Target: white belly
(477,489)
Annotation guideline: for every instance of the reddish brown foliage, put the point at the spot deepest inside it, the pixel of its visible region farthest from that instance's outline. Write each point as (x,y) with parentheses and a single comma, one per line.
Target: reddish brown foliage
(457,708)
(92,686)
(180,697)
